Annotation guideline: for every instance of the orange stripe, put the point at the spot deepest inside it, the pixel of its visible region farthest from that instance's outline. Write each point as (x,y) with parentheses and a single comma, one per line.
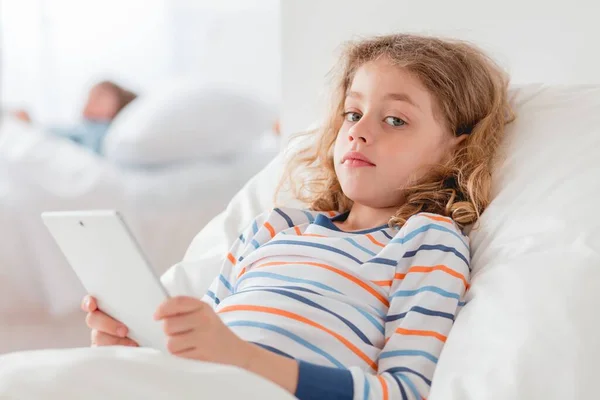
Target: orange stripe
(382,283)
(299,318)
(443,268)
(231,258)
(346,275)
(270,228)
(313,234)
(413,332)
(297,231)
(332,213)
(372,239)
(389,283)
(241,272)
(383,387)
(439,218)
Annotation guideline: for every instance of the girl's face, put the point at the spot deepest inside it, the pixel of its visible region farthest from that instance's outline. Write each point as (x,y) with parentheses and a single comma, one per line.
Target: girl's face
(389,136)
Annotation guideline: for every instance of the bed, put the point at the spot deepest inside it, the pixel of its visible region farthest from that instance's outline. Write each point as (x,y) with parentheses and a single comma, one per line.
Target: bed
(528,329)
(166,202)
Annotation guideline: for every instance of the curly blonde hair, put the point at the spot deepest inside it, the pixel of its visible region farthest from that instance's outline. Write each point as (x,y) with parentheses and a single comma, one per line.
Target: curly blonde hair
(470,93)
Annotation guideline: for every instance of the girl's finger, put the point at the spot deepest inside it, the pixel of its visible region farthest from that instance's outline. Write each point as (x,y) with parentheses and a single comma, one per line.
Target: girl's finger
(191,353)
(180,324)
(104,339)
(178,305)
(181,343)
(103,323)
(89,304)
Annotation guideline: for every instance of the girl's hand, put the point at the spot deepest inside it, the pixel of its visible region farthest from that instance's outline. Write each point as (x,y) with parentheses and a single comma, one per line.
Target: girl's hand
(195,331)
(106,331)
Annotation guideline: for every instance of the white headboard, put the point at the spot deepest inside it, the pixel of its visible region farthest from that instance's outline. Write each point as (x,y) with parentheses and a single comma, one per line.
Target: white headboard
(535,40)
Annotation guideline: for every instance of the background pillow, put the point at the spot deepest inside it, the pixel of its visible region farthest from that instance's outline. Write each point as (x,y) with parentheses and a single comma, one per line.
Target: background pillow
(529,329)
(185,121)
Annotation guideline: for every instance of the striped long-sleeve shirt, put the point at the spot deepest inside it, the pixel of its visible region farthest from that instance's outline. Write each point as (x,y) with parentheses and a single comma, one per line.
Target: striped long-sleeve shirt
(366,313)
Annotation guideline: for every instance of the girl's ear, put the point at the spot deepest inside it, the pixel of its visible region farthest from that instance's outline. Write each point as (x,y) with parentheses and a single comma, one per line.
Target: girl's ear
(458,140)
(452,144)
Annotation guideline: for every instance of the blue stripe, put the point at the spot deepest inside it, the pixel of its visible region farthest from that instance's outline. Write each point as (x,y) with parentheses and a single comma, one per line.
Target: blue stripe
(311,303)
(395,370)
(288,220)
(387,235)
(310,217)
(400,353)
(410,385)
(352,242)
(371,319)
(213,296)
(420,310)
(434,289)
(289,335)
(367,388)
(316,245)
(380,313)
(273,350)
(254,227)
(225,282)
(440,247)
(385,261)
(255,243)
(425,228)
(242,238)
(401,387)
(257,274)
(240,258)
(462,303)
(298,288)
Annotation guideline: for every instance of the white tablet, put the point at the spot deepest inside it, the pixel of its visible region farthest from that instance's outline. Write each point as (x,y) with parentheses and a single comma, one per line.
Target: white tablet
(111,266)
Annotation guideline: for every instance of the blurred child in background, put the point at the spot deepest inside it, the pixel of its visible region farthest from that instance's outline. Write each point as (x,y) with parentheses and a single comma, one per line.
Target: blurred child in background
(105,100)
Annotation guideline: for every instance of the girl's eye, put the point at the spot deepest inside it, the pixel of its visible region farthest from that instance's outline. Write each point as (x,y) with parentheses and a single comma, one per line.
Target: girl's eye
(352,116)
(395,121)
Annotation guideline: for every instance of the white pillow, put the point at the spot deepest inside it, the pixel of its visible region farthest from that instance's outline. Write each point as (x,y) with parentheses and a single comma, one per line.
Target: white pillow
(207,251)
(187,121)
(530,327)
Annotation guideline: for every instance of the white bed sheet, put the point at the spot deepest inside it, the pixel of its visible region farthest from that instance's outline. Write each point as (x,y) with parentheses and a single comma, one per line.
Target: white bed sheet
(165,209)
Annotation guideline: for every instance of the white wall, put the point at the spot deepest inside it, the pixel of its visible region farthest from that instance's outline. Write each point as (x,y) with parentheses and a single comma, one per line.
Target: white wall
(536,40)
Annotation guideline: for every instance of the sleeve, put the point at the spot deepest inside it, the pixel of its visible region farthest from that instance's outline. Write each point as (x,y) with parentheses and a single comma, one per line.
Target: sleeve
(249,240)
(430,281)
(71,133)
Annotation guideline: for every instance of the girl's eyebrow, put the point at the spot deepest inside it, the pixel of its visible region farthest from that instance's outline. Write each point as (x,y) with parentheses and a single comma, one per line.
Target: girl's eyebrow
(402,97)
(358,95)
(390,96)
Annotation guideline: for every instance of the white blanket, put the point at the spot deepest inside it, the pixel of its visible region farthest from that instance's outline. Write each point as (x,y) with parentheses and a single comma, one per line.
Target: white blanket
(125,373)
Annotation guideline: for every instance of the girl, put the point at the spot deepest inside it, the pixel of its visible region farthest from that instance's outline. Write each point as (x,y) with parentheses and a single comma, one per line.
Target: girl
(105,100)
(355,298)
